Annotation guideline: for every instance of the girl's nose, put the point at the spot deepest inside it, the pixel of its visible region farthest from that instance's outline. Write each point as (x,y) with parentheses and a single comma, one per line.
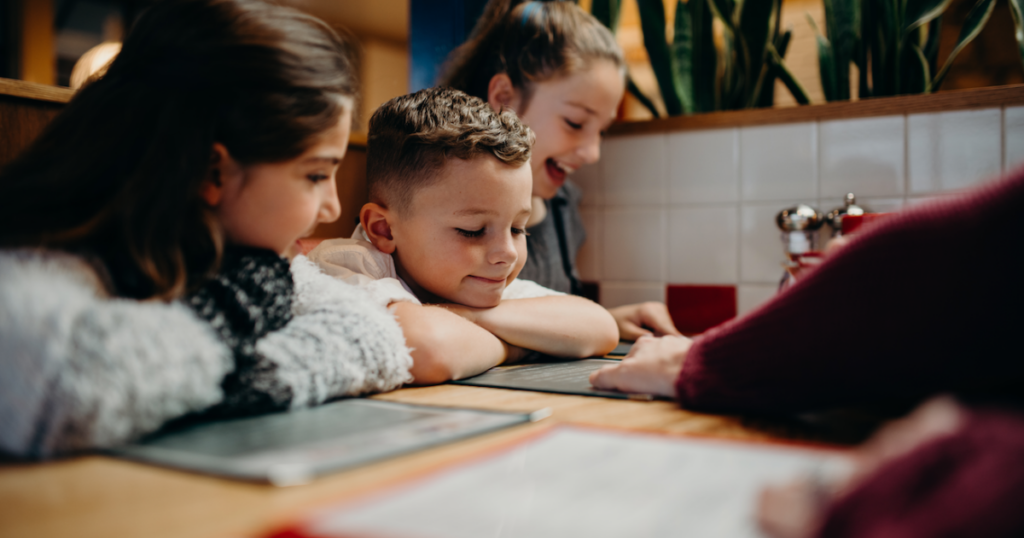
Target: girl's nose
(590,150)
(330,206)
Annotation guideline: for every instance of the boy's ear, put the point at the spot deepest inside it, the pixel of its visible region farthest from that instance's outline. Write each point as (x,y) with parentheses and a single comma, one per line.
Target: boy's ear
(502,94)
(212,188)
(375,219)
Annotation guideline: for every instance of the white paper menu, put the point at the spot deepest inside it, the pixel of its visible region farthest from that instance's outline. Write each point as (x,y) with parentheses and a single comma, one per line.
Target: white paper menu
(584,482)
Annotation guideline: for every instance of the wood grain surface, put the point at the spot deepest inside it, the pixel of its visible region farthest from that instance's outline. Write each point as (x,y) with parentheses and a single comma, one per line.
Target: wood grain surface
(995,97)
(97,496)
(33,90)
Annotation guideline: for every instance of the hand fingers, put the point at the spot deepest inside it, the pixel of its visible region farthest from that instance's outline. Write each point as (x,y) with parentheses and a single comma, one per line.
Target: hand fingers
(602,379)
(789,511)
(657,317)
(632,331)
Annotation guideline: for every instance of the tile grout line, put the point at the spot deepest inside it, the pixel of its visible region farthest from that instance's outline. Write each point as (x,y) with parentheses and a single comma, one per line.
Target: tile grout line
(665,231)
(906,159)
(817,161)
(1002,138)
(737,148)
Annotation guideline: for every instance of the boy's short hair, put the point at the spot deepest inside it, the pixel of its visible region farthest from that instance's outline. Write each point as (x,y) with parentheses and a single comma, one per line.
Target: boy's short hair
(412,136)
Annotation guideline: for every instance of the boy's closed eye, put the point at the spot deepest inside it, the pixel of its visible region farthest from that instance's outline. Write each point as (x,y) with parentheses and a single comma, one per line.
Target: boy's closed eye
(481,231)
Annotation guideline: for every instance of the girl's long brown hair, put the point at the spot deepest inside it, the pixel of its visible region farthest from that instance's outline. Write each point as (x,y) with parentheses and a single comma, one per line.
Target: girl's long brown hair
(117,174)
(530,42)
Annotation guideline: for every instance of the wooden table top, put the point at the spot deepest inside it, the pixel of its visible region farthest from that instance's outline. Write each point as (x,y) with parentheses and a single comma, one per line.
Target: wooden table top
(104,497)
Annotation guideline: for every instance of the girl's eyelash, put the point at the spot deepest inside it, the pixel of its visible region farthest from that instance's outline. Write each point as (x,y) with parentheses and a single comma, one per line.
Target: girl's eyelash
(576,126)
(317,178)
(520,231)
(471,233)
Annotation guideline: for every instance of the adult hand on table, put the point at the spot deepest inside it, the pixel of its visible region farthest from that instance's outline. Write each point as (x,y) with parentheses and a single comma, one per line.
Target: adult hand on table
(651,367)
(650,318)
(796,510)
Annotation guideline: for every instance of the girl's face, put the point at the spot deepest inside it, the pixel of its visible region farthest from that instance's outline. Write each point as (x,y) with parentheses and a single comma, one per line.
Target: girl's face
(569,114)
(273,205)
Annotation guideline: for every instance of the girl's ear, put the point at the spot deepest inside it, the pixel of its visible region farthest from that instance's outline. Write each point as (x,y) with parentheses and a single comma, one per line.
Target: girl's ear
(212,188)
(501,93)
(375,220)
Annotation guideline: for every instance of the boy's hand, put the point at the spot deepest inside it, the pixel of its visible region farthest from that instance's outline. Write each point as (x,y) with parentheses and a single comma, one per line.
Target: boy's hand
(650,318)
(651,367)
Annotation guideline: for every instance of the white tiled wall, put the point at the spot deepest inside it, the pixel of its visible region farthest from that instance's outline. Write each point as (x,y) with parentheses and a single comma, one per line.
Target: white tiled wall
(698,207)
(953,150)
(779,162)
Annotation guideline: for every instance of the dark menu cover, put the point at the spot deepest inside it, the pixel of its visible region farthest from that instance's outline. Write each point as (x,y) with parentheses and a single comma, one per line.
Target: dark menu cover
(294,447)
(564,377)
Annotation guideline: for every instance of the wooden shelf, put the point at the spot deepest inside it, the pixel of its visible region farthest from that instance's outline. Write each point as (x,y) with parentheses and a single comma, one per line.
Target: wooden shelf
(32,90)
(998,96)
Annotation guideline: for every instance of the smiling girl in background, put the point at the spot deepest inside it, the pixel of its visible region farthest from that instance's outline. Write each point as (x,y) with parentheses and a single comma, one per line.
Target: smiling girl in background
(563,73)
(142,277)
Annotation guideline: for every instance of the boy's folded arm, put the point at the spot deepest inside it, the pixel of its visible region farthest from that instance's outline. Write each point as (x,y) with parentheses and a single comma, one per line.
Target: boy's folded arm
(560,325)
(444,345)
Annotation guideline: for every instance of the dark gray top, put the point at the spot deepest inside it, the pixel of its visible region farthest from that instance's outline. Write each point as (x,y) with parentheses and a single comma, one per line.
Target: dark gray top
(545,245)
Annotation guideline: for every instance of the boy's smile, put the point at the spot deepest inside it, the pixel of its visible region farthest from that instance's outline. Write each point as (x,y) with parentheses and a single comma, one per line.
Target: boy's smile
(462,238)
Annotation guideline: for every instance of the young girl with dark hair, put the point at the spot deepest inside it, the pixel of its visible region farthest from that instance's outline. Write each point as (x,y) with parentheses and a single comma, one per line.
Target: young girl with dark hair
(563,73)
(141,270)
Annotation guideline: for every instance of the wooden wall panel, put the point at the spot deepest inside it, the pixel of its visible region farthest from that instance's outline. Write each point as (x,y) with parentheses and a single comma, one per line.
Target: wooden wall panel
(21,121)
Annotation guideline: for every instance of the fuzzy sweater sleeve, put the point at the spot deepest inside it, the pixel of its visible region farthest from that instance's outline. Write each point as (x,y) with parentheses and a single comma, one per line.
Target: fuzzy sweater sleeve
(339,343)
(82,371)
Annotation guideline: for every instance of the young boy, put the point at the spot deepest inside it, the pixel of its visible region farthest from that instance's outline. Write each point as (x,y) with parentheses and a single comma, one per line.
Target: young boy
(443,238)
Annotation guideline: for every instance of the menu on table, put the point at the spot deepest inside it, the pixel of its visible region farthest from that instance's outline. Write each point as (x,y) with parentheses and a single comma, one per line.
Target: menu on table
(294,447)
(563,377)
(576,481)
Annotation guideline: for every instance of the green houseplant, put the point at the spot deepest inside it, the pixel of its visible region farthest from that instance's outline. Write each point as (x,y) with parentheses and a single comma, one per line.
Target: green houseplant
(894,44)
(696,74)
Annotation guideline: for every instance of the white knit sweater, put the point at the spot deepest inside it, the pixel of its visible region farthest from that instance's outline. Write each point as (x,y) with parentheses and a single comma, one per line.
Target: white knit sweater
(80,370)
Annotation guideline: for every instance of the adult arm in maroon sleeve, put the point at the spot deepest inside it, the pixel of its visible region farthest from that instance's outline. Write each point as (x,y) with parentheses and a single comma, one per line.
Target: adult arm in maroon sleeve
(929,299)
(969,483)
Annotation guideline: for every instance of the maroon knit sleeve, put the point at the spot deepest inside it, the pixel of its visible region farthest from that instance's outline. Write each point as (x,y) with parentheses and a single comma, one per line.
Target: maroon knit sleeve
(970,483)
(927,299)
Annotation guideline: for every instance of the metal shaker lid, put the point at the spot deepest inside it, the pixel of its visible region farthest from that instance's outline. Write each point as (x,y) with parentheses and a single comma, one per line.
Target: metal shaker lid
(850,207)
(801,217)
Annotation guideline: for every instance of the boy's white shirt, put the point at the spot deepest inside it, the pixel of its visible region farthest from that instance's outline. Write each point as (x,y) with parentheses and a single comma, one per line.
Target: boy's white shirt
(356,261)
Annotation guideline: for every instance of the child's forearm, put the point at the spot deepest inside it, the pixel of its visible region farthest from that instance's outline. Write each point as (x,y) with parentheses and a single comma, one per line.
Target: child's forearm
(564,325)
(444,345)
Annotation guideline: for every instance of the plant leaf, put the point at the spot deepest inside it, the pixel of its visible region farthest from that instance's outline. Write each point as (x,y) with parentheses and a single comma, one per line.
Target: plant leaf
(923,71)
(723,9)
(607,11)
(781,43)
(1018,21)
(917,13)
(976,20)
(652,23)
(705,56)
(826,62)
(632,88)
(682,54)
(787,78)
(864,46)
(843,33)
(756,18)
